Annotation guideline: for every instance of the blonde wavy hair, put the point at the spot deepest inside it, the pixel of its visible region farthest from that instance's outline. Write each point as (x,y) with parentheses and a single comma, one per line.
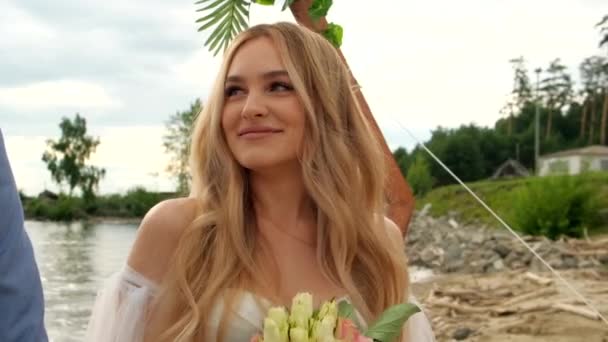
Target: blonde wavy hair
(344,173)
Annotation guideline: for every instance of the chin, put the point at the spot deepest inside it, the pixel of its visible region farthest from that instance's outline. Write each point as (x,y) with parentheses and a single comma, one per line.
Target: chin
(265,162)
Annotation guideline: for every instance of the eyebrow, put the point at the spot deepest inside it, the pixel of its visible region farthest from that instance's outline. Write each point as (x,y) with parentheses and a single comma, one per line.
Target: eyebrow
(266,75)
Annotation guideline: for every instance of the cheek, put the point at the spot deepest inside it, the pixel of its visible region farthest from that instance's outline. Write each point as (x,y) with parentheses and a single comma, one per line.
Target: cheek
(300,132)
(228,121)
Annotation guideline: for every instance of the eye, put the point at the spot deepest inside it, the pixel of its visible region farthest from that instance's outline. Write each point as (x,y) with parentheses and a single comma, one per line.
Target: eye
(281,86)
(232,91)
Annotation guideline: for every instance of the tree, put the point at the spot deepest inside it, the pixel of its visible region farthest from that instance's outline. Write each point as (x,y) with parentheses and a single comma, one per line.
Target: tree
(521,93)
(592,77)
(66,158)
(557,87)
(402,158)
(419,176)
(177,143)
(521,81)
(228,17)
(603,25)
(508,110)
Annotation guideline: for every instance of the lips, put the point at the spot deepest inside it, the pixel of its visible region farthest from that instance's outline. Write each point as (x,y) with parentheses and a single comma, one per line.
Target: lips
(257,131)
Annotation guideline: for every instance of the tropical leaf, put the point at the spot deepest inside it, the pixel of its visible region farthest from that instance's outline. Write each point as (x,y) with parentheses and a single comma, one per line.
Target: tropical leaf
(319,8)
(390,323)
(226,17)
(334,33)
(287,3)
(264,2)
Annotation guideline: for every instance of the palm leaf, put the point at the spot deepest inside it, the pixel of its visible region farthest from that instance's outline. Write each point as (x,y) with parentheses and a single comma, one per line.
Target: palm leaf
(226,17)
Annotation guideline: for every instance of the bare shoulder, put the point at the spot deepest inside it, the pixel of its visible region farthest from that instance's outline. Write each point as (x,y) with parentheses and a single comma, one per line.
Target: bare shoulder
(158,236)
(394,233)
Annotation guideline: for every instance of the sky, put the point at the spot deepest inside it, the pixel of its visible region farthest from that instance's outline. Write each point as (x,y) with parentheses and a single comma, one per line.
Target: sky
(127,66)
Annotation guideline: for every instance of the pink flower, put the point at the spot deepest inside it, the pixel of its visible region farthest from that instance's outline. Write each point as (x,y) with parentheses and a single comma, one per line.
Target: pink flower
(347,331)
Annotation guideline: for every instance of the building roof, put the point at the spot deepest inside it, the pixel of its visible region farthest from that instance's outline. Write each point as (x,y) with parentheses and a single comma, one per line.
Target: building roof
(511,168)
(595,150)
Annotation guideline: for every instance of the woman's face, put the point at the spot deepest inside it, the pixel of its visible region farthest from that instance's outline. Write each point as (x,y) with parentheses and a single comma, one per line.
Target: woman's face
(263,119)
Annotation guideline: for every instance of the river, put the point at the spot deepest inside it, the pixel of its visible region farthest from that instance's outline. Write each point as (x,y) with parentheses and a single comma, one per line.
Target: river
(74,260)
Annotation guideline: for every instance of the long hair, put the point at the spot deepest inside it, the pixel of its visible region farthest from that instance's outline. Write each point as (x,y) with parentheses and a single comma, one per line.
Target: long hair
(343,170)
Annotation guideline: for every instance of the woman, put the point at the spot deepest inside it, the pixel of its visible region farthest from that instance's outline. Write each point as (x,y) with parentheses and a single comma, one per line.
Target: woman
(287,197)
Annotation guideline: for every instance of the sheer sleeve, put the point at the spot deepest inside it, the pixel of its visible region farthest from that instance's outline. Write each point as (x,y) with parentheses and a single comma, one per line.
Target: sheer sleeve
(419,326)
(120,308)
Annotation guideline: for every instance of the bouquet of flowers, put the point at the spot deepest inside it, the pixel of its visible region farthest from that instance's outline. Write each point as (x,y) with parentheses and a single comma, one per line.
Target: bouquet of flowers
(333,322)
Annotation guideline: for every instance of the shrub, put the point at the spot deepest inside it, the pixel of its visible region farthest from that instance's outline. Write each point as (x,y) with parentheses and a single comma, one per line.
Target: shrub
(419,176)
(556,206)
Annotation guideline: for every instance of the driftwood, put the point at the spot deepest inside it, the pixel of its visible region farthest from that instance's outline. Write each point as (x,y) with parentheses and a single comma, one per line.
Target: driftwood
(538,279)
(577,310)
(510,303)
(543,292)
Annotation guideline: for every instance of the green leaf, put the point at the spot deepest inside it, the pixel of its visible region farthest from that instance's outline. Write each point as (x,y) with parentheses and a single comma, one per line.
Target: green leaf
(226,19)
(346,310)
(319,8)
(210,21)
(390,323)
(264,2)
(216,33)
(334,33)
(287,3)
(212,5)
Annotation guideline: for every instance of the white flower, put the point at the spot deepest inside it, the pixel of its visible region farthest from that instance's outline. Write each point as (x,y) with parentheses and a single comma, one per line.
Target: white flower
(301,310)
(272,332)
(298,334)
(328,308)
(279,316)
(323,330)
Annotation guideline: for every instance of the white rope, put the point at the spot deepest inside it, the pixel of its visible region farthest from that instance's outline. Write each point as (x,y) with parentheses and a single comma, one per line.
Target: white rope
(564,281)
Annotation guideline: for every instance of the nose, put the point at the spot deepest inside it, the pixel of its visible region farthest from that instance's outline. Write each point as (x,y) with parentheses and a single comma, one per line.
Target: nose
(255,106)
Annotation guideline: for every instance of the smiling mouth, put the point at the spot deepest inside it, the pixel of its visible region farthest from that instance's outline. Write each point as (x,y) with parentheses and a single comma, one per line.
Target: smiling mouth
(258,134)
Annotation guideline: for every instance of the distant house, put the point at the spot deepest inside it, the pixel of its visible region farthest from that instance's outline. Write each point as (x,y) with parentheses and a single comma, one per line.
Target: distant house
(573,162)
(510,169)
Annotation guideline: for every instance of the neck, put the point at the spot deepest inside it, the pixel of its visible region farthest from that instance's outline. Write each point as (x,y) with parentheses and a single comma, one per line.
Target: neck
(281,203)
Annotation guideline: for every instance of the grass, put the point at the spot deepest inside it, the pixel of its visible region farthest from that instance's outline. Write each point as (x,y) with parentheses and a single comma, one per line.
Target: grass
(498,195)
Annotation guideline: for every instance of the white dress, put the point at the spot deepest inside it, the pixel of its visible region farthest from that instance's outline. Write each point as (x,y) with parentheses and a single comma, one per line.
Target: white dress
(120,308)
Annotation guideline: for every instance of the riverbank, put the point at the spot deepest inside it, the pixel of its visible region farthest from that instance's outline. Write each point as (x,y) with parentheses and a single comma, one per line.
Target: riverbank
(488,287)
(504,195)
(131,206)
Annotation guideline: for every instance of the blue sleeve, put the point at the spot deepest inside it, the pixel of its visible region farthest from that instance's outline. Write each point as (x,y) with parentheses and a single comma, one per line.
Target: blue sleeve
(21,299)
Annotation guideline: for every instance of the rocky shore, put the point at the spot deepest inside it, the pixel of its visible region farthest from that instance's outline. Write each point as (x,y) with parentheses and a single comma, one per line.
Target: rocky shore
(486,286)
(445,246)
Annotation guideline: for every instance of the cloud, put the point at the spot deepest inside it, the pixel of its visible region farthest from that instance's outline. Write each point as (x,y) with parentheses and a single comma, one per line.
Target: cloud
(66,93)
(129,65)
(131,156)
(446,63)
